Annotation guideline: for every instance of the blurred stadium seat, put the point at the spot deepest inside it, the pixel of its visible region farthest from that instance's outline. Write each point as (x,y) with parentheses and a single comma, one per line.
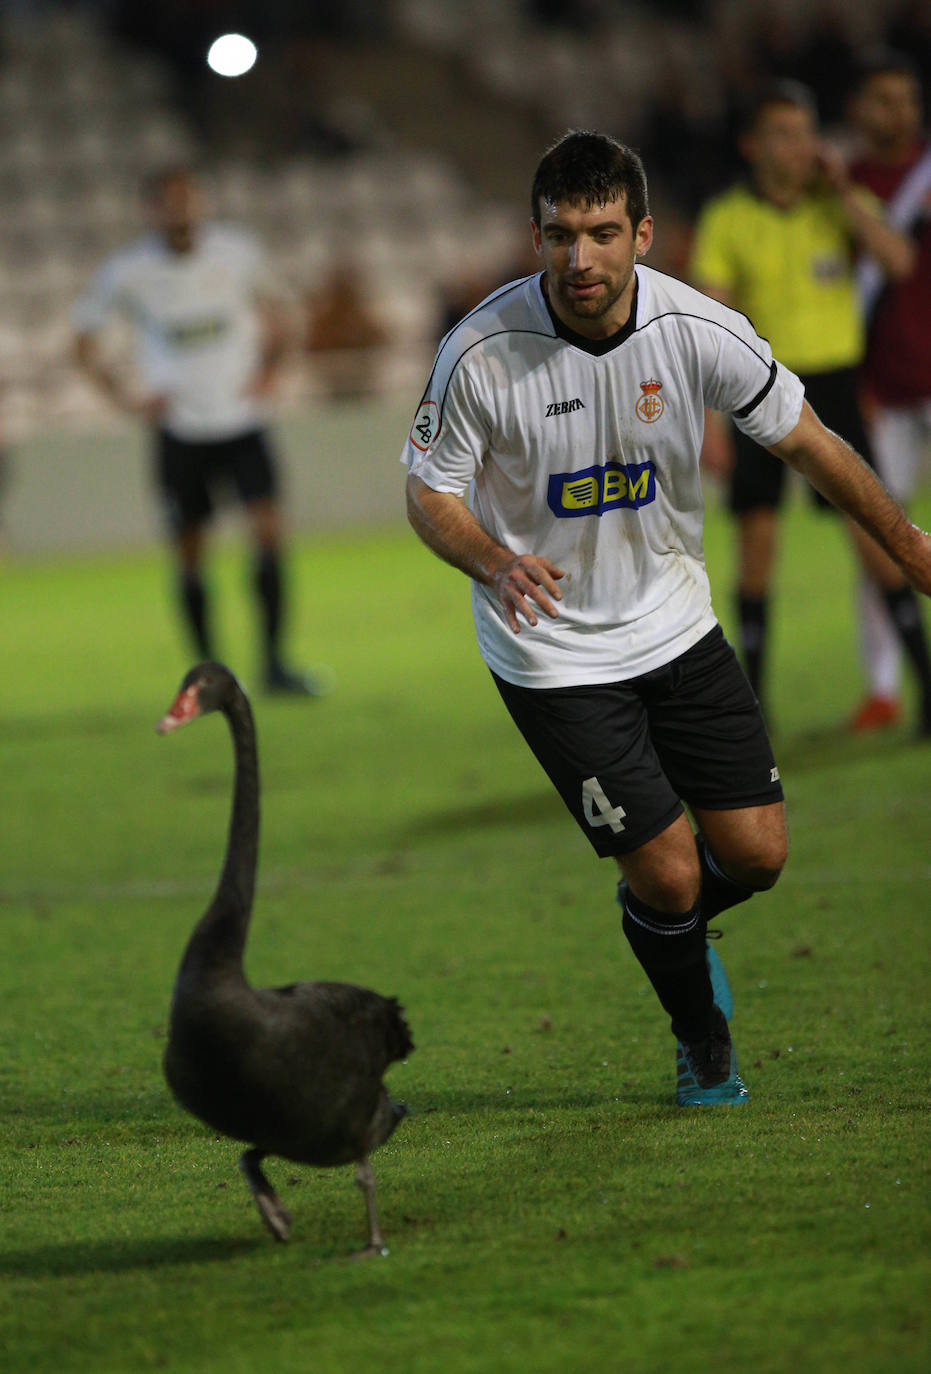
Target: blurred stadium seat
(411,149)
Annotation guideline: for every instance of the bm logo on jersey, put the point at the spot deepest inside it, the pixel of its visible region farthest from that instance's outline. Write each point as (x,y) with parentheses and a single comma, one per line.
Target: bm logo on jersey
(593,491)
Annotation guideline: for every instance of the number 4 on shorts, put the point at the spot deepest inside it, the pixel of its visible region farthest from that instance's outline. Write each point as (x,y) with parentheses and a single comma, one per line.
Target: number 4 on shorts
(598,810)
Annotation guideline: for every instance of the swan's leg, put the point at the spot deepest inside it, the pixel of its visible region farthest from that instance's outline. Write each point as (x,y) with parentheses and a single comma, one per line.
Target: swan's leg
(271,1209)
(365,1178)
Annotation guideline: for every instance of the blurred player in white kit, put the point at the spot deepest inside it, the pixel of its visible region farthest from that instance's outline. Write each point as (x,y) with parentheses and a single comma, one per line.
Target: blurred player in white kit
(211,333)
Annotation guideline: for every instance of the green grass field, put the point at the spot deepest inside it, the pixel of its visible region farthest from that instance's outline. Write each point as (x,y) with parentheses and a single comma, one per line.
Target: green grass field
(546,1206)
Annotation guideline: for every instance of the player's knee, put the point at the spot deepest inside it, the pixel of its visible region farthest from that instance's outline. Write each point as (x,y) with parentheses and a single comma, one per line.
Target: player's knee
(673,887)
(761,868)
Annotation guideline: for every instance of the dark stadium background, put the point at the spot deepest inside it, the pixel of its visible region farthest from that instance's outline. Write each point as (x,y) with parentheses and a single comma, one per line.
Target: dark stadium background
(393,141)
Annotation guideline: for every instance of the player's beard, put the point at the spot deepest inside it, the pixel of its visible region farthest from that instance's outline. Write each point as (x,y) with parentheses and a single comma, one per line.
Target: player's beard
(600,303)
(180,237)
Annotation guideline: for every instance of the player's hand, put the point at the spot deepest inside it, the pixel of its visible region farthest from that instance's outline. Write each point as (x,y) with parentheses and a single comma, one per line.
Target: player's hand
(833,168)
(527,579)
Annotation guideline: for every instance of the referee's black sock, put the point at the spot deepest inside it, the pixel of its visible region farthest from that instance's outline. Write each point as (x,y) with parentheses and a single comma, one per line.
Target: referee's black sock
(194,606)
(904,611)
(718,891)
(671,951)
(752,616)
(269,588)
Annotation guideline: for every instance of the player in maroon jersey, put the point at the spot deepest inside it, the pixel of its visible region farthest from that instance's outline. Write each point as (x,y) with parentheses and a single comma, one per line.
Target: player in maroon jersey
(894,162)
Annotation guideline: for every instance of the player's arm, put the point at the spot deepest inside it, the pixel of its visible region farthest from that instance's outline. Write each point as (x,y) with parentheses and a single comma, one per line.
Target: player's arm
(841,475)
(275,312)
(895,252)
(105,296)
(90,360)
(278,336)
(447,526)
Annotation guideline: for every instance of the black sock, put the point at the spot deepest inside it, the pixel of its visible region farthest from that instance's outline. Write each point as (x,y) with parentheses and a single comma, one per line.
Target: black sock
(718,891)
(905,614)
(268,585)
(753,615)
(194,606)
(671,950)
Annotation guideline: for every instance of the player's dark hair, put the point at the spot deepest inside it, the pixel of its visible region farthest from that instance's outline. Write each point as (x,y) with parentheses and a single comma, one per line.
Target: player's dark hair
(884,62)
(589,169)
(781,92)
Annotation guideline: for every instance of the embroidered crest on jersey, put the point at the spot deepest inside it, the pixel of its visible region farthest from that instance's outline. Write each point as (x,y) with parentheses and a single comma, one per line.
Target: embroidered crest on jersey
(564,407)
(595,490)
(426,426)
(650,406)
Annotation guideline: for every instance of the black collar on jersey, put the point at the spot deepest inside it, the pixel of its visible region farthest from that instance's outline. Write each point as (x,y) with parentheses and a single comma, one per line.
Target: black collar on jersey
(595,346)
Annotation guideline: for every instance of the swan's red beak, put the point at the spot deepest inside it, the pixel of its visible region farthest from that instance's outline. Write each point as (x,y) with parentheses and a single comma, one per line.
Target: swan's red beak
(185,708)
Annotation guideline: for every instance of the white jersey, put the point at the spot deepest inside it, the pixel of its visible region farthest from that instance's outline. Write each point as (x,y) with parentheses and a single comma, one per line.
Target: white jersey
(198,332)
(587,454)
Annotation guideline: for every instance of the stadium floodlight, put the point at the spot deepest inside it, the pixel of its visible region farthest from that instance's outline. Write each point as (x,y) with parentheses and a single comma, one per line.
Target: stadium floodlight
(232,54)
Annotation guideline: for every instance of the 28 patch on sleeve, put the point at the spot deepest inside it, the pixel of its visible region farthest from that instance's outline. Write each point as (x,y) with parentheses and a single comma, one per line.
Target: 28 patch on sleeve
(426,426)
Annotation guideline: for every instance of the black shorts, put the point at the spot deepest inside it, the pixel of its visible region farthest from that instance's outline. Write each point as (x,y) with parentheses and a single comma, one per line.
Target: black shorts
(625,755)
(758,479)
(191,473)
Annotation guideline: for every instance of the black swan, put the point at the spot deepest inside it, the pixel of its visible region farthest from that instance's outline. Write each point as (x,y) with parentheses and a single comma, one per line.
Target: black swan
(293,1071)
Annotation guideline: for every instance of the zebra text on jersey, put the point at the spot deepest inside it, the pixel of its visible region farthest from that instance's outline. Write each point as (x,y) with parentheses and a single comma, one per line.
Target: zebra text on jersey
(565,407)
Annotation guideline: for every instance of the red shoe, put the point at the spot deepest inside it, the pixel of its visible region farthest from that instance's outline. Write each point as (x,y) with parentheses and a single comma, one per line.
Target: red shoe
(875,714)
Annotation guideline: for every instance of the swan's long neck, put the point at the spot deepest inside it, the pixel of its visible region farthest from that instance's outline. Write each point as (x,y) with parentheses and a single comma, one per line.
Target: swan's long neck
(219,938)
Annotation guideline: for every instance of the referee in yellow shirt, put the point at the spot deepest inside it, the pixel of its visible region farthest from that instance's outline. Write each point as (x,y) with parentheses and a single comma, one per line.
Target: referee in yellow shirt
(781,249)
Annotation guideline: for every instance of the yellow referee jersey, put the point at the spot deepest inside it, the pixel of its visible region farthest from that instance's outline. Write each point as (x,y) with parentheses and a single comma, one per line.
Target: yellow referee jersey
(791,271)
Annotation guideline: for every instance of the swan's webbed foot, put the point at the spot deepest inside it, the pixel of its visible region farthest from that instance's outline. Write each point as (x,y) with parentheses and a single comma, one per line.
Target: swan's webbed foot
(365,1178)
(271,1209)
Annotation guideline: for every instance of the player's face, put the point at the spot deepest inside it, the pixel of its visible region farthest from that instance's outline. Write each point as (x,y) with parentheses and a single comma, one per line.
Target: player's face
(177,211)
(783,145)
(589,257)
(888,109)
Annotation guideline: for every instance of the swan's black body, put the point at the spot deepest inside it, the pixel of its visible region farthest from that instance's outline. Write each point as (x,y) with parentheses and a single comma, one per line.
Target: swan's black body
(293,1071)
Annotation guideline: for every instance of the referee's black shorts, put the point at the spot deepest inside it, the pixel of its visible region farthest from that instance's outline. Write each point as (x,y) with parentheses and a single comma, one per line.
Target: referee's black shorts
(192,474)
(625,755)
(758,479)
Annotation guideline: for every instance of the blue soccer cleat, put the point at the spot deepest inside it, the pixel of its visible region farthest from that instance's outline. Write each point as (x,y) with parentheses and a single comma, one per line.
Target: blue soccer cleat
(723,997)
(706,1070)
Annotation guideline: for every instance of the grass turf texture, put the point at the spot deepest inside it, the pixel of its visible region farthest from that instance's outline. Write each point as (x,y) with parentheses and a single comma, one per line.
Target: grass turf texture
(547,1207)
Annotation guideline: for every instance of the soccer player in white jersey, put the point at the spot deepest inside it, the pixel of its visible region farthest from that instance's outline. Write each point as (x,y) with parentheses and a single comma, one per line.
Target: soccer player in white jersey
(211,334)
(554,459)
